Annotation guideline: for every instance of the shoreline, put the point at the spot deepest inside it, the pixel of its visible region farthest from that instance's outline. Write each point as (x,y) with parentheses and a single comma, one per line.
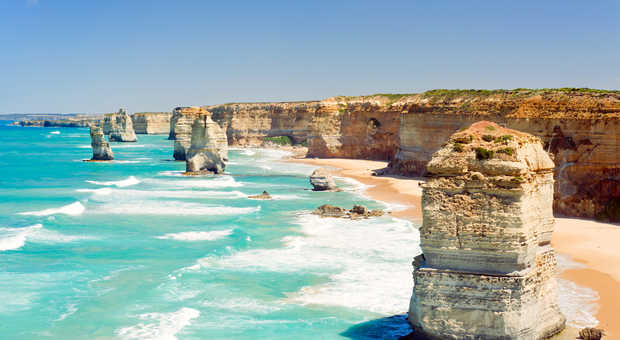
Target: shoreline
(586,242)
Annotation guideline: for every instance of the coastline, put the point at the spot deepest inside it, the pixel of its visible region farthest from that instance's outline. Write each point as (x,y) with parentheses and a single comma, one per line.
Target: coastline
(586,242)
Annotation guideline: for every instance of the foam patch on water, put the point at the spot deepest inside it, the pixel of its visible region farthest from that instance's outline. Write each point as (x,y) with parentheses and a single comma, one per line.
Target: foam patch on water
(170,208)
(244,304)
(129,181)
(115,194)
(204,183)
(248,152)
(71,309)
(173,173)
(127,146)
(160,326)
(73,209)
(368,262)
(15,238)
(197,235)
(55,132)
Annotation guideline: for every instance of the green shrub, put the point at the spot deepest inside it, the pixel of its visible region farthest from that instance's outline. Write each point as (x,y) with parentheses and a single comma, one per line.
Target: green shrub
(464,139)
(507,151)
(487,138)
(517,179)
(483,154)
(458,147)
(503,139)
(490,128)
(281,140)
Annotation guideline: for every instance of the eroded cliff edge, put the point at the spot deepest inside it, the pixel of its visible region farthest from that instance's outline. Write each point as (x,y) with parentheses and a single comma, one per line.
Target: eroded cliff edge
(151,123)
(580,128)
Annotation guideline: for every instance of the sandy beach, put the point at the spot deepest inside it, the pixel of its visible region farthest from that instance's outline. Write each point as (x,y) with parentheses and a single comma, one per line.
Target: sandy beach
(584,241)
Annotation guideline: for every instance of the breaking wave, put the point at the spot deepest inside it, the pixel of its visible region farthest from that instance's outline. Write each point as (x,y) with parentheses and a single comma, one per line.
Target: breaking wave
(129,181)
(197,235)
(73,209)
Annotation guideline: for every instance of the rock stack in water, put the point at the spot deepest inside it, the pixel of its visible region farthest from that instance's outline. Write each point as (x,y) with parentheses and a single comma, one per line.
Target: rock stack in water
(321,180)
(181,129)
(488,269)
(120,127)
(101,148)
(208,149)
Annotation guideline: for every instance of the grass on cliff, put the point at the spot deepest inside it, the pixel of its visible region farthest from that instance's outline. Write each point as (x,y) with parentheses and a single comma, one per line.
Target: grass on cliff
(280,140)
(460,93)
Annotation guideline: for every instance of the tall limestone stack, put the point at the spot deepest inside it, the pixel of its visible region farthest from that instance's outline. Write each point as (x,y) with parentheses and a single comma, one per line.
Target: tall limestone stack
(101,148)
(181,129)
(488,270)
(208,151)
(120,127)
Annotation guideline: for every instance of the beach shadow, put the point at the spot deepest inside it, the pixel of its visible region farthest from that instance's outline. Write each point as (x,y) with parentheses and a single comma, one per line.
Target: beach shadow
(388,328)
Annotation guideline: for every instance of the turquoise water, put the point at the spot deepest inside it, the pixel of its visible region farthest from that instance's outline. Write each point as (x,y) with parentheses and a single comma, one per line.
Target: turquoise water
(132,250)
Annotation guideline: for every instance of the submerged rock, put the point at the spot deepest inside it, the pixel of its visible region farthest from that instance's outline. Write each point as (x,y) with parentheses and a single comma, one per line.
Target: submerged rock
(101,148)
(120,127)
(358,211)
(321,180)
(488,270)
(264,196)
(208,151)
(328,210)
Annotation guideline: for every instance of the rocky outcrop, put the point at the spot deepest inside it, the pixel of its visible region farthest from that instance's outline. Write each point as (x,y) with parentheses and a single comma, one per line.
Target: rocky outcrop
(579,127)
(120,127)
(321,180)
(101,148)
(357,212)
(264,196)
(247,124)
(488,271)
(208,150)
(181,129)
(151,123)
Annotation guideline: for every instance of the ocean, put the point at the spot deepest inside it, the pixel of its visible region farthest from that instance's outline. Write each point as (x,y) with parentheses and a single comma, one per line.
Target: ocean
(133,250)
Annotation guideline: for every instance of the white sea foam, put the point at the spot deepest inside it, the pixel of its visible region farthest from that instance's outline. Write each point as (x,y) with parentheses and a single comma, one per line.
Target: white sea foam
(205,183)
(578,304)
(15,238)
(115,194)
(127,146)
(73,209)
(55,132)
(129,181)
(147,207)
(71,309)
(244,304)
(248,152)
(160,326)
(368,262)
(197,235)
(174,173)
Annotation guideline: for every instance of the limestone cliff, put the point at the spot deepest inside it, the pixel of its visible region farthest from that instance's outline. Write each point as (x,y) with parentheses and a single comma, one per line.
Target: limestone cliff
(355,127)
(151,123)
(208,151)
(249,123)
(120,127)
(101,148)
(488,270)
(581,128)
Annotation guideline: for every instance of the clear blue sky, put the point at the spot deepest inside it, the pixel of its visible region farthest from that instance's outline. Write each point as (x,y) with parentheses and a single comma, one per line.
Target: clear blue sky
(96,56)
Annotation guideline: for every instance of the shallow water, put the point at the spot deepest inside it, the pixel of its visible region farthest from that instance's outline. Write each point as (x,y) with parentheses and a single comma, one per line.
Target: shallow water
(132,250)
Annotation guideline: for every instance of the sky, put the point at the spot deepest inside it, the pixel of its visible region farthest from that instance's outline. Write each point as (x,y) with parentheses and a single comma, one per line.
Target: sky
(96,56)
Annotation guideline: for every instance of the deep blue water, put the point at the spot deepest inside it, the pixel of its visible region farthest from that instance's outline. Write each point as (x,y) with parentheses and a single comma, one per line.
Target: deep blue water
(132,250)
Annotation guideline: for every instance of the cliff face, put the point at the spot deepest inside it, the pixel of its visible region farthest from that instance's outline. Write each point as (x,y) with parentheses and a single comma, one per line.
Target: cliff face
(120,127)
(580,129)
(101,148)
(355,127)
(488,270)
(151,123)
(182,127)
(249,123)
(208,151)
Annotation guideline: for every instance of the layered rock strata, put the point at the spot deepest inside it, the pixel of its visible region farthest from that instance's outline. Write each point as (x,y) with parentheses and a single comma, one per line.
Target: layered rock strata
(488,269)
(247,124)
(101,148)
(580,127)
(208,151)
(151,123)
(181,129)
(120,127)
